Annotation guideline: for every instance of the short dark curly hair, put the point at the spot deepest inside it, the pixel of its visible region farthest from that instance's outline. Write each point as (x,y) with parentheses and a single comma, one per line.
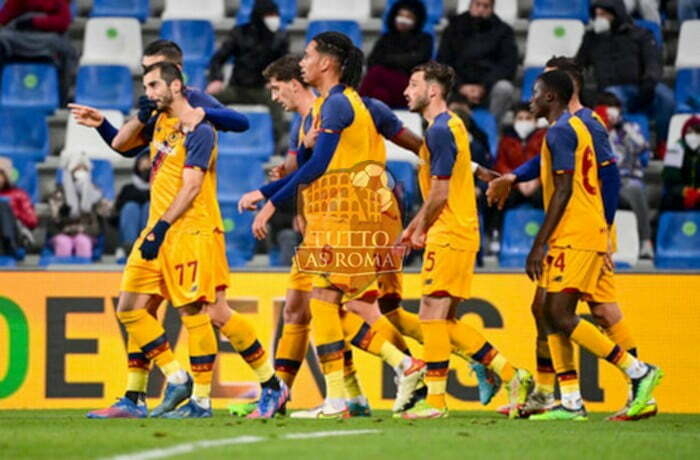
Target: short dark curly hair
(442,74)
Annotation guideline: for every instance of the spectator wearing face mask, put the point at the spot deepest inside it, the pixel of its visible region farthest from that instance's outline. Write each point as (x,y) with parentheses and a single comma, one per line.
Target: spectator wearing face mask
(681,171)
(131,207)
(631,151)
(397,51)
(626,61)
(17,216)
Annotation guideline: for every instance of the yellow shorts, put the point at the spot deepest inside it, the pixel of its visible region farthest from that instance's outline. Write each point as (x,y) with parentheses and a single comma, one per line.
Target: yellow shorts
(447,271)
(298,280)
(390,284)
(184,272)
(571,270)
(221,270)
(356,287)
(605,289)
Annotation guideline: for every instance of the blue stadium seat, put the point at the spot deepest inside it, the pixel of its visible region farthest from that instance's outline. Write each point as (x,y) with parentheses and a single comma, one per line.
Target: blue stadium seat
(31,86)
(688,90)
(24,133)
(257,142)
(678,240)
(642,120)
(195,37)
(120,8)
(288,11)
(349,28)
(7,262)
(195,74)
(240,242)
(105,87)
(434,10)
(558,9)
(404,175)
(529,77)
(50,259)
(487,122)
(102,177)
(25,175)
(520,225)
(654,28)
(236,175)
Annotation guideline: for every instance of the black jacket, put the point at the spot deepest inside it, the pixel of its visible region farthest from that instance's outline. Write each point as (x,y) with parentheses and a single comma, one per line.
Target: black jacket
(480,50)
(403,51)
(253,46)
(628,54)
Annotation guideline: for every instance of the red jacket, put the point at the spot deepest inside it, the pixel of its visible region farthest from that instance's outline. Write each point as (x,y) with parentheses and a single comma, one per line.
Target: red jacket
(54,15)
(21,206)
(512,152)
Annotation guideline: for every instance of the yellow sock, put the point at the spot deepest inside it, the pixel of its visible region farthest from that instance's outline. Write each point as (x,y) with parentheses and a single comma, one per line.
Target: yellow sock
(364,337)
(437,358)
(149,335)
(590,337)
(291,350)
(620,334)
(327,331)
(384,327)
(203,348)
(469,341)
(545,376)
(562,351)
(139,367)
(242,336)
(406,322)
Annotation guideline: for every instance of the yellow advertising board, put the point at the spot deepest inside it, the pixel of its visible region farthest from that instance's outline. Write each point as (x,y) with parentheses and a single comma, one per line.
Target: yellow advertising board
(62,347)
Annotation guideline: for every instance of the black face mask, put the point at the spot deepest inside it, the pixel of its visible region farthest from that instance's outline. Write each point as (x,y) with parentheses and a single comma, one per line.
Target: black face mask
(145,175)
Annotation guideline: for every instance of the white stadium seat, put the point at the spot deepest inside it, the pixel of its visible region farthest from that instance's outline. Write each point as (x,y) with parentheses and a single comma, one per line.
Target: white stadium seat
(688,39)
(507,10)
(113,41)
(413,122)
(627,239)
(552,37)
(83,139)
(355,10)
(676,126)
(208,10)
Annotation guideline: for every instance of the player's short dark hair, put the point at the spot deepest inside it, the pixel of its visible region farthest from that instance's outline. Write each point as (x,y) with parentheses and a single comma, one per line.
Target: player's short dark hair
(168,71)
(170,50)
(350,57)
(559,83)
(285,69)
(521,107)
(442,74)
(570,66)
(608,98)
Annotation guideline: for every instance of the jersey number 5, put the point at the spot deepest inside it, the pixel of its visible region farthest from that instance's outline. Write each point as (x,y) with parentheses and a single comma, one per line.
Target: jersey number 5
(181,269)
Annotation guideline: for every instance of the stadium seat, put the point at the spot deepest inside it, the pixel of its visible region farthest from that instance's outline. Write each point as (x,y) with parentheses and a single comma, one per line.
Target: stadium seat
(507,10)
(688,39)
(50,259)
(434,10)
(138,9)
(102,177)
(406,183)
(258,142)
(520,225)
(627,253)
(642,120)
(240,242)
(413,122)
(195,37)
(654,28)
(105,87)
(558,9)
(288,11)
(688,90)
(210,10)
(356,10)
(7,262)
(236,175)
(113,41)
(195,74)
(84,139)
(552,37)
(678,240)
(529,77)
(349,28)
(24,133)
(25,175)
(676,126)
(30,86)
(487,122)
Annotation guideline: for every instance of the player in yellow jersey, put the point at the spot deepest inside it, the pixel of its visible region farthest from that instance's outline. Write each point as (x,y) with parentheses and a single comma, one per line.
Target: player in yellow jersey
(568,254)
(447,226)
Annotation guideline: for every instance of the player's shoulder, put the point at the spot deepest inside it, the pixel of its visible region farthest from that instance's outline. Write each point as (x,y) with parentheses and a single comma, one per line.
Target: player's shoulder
(563,129)
(202,132)
(198,98)
(441,125)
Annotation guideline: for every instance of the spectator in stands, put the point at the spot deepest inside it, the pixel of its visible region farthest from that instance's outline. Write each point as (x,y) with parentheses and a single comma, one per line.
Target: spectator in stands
(681,171)
(402,47)
(632,153)
(688,9)
(482,50)
(253,46)
(74,223)
(35,30)
(17,216)
(131,207)
(647,9)
(626,61)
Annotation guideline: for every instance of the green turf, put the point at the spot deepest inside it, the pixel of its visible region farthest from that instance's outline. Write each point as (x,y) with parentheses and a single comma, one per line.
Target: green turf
(67,434)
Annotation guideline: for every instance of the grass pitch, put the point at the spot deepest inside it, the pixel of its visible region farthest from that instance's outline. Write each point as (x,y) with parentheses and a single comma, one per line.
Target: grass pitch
(68,434)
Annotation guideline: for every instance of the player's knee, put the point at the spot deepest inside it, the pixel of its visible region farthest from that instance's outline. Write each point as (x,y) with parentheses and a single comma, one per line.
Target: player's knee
(606,315)
(191,309)
(296,310)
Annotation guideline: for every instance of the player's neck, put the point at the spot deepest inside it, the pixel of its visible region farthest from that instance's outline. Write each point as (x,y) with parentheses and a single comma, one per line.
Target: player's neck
(555,112)
(575,104)
(178,107)
(435,108)
(305,102)
(326,84)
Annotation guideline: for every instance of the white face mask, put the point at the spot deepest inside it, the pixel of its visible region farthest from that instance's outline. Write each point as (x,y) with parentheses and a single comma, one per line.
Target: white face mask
(80,176)
(542,122)
(692,140)
(524,128)
(403,20)
(613,115)
(272,23)
(601,25)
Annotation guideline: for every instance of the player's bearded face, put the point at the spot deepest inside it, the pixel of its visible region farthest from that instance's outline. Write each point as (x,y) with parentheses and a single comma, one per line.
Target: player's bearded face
(416,93)
(283,92)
